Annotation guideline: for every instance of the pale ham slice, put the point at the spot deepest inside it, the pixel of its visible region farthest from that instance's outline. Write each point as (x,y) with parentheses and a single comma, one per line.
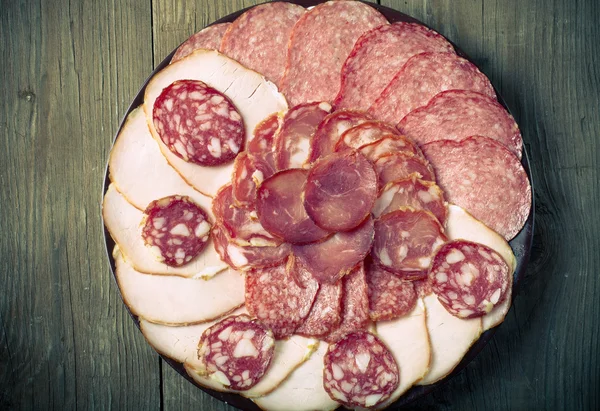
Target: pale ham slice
(139,170)
(303,389)
(408,340)
(174,300)
(254,97)
(123,221)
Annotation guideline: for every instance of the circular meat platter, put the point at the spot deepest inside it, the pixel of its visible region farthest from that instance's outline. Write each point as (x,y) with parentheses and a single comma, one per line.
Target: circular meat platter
(346,216)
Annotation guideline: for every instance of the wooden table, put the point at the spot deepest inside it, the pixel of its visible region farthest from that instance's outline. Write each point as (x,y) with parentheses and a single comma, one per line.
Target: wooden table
(70,69)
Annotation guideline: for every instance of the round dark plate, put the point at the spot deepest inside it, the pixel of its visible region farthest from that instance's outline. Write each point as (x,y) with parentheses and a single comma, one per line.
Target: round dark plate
(521,244)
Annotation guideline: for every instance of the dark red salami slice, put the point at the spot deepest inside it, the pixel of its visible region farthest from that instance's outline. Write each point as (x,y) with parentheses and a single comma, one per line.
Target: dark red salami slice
(207,38)
(413,192)
(292,143)
(330,260)
(422,287)
(330,130)
(399,166)
(469,279)
(458,114)
(406,241)
(360,371)
(258,38)
(276,299)
(320,43)
(340,191)
(326,312)
(236,351)
(249,171)
(176,228)
(389,296)
(421,78)
(378,55)
(280,209)
(264,135)
(198,123)
(389,145)
(365,133)
(486,179)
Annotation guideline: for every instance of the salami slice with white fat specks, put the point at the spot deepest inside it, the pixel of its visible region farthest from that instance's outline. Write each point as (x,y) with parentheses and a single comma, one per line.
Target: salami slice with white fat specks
(469,279)
(236,351)
(365,133)
(402,165)
(176,229)
(326,312)
(249,171)
(264,135)
(198,123)
(389,296)
(207,38)
(360,371)
(389,145)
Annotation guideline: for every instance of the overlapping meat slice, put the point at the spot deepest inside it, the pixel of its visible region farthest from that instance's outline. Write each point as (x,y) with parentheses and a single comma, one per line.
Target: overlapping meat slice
(365,133)
(401,165)
(249,171)
(390,144)
(326,312)
(264,135)
(207,38)
(389,296)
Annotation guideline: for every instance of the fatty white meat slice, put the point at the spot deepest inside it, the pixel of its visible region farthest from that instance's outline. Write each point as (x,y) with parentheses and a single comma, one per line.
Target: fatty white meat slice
(123,221)
(174,300)
(254,97)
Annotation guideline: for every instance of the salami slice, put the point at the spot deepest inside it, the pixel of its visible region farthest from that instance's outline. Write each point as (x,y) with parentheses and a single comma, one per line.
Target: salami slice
(276,299)
(421,78)
(320,43)
(176,229)
(326,312)
(469,279)
(280,209)
(458,114)
(292,143)
(207,38)
(378,55)
(389,296)
(198,123)
(401,165)
(330,260)
(360,371)
(486,179)
(249,171)
(406,241)
(236,351)
(340,191)
(389,145)
(258,38)
(330,130)
(264,135)
(365,133)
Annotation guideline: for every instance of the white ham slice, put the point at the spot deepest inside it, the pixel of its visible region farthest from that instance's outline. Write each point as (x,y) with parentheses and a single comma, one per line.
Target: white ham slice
(123,221)
(174,300)
(254,97)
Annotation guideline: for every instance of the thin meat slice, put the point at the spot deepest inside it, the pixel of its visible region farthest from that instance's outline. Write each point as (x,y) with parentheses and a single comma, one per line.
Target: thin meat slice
(365,133)
(249,171)
(330,130)
(360,371)
(486,179)
(340,191)
(330,260)
(458,114)
(259,37)
(421,78)
(326,312)
(207,38)
(198,123)
(264,135)
(406,241)
(281,211)
(320,43)
(236,351)
(401,165)
(292,143)
(389,145)
(378,55)
(469,279)
(389,296)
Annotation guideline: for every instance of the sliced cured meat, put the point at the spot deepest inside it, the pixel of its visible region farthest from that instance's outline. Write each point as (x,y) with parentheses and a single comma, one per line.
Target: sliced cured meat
(498,313)
(340,191)
(264,135)
(198,123)
(293,141)
(280,209)
(330,260)
(378,55)
(458,114)
(176,229)
(330,130)
(236,351)
(320,43)
(207,38)
(412,192)
(389,296)
(486,179)
(389,145)
(258,38)
(326,312)
(406,241)
(421,78)
(469,279)
(360,371)
(399,166)
(274,297)
(249,171)
(365,133)
(252,95)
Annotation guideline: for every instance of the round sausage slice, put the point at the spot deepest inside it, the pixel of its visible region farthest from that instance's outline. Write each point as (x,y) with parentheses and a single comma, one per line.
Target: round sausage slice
(207,38)
(249,171)
(389,296)
(264,135)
